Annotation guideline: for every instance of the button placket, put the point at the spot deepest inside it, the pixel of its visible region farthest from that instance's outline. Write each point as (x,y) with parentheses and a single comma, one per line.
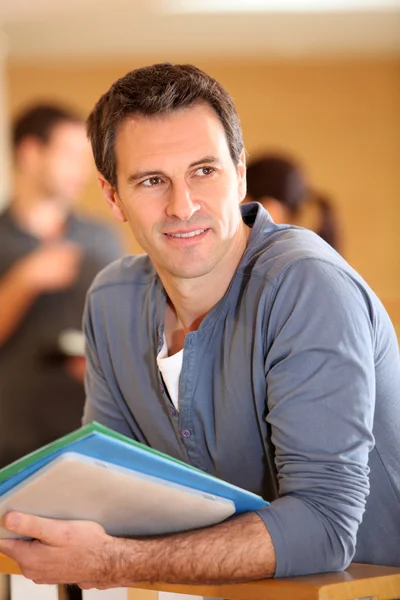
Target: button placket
(186,391)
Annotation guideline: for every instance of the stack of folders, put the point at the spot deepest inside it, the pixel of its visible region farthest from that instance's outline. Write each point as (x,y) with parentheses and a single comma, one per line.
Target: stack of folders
(130,489)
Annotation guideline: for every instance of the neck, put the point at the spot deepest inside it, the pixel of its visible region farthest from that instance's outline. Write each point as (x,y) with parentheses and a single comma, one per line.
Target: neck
(190,300)
(37,213)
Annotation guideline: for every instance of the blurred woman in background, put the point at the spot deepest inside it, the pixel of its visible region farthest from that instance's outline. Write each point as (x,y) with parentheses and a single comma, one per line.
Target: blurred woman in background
(279,184)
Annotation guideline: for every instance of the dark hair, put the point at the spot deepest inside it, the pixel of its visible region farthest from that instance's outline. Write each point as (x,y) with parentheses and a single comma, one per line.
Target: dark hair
(157,90)
(328,226)
(279,177)
(39,120)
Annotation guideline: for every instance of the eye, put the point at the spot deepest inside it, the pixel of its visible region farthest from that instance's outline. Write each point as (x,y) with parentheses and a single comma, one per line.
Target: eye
(205,171)
(151,181)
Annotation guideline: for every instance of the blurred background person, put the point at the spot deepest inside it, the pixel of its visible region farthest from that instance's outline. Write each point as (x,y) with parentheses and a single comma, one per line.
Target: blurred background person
(279,183)
(48,258)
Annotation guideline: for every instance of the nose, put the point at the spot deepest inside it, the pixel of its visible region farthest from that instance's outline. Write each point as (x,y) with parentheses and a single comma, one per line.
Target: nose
(180,204)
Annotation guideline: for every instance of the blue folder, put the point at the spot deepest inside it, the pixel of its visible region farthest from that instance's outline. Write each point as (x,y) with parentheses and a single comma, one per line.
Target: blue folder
(98,441)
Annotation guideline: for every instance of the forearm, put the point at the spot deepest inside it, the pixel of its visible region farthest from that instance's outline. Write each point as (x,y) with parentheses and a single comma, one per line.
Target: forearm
(16,297)
(238,550)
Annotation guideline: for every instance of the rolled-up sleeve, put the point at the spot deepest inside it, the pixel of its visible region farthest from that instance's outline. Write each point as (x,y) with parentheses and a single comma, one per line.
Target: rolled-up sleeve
(320,396)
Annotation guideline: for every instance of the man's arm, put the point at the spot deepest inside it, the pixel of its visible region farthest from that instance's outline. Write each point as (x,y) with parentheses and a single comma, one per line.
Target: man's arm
(321,398)
(50,268)
(16,297)
(81,552)
(238,550)
(102,397)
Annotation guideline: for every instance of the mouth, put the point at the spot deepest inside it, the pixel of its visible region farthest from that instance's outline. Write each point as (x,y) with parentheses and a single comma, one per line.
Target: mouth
(186,234)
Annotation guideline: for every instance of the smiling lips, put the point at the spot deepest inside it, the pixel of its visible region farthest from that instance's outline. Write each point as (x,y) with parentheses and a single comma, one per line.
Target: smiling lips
(187,234)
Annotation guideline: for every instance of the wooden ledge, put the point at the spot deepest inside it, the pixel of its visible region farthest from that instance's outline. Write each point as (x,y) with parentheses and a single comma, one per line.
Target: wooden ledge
(8,566)
(358,581)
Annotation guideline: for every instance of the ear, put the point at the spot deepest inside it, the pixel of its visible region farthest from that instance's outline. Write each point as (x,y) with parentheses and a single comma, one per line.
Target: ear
(241,173)
(112,198)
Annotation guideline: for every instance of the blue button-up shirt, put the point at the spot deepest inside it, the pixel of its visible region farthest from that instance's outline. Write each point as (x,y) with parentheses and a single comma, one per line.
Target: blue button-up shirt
(289,388)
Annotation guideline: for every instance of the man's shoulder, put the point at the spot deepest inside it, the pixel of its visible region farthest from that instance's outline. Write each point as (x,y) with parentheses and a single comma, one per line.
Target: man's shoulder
(99,241)
(13,244)
(130,270)
(274,248)
(5,220)
(283,247)
(298,264)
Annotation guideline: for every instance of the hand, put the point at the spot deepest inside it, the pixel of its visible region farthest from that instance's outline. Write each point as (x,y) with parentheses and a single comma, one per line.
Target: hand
(52,267)
(62,551)
(76,367)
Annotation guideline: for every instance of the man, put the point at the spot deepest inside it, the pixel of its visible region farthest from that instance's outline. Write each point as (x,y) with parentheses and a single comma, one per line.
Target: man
(285,364)
(48,259)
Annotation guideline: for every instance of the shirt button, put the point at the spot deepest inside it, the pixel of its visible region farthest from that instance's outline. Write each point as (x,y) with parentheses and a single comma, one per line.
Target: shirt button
(172,411)
(186,433)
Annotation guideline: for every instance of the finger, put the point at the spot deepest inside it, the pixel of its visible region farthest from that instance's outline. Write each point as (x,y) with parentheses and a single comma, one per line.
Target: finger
(48,531)
(12,548)
(94,585)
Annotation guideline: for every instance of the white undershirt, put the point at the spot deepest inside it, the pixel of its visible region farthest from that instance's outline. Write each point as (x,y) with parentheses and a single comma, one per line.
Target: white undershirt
(170,368)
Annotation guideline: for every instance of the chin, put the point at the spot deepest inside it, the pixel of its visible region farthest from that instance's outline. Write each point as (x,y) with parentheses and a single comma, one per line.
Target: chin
(188,271)
(69,202)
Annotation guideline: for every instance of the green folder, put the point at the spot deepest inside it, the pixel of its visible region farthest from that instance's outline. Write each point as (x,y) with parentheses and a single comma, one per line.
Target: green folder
(65,442)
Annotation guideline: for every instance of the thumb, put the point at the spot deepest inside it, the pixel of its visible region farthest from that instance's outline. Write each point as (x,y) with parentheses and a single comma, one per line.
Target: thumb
(30,526)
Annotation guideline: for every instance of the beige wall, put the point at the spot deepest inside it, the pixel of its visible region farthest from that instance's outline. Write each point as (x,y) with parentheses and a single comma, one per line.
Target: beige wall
(342,118)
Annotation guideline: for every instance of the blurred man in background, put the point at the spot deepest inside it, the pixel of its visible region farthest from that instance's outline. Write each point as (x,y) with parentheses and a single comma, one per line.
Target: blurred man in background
(48,258)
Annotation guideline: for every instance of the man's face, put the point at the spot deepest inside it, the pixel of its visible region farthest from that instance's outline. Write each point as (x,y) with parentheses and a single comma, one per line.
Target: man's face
(179,189)
(60,169)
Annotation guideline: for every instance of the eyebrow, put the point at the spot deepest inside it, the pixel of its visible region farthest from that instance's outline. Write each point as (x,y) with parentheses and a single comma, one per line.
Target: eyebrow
(143,174)
(206,159)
